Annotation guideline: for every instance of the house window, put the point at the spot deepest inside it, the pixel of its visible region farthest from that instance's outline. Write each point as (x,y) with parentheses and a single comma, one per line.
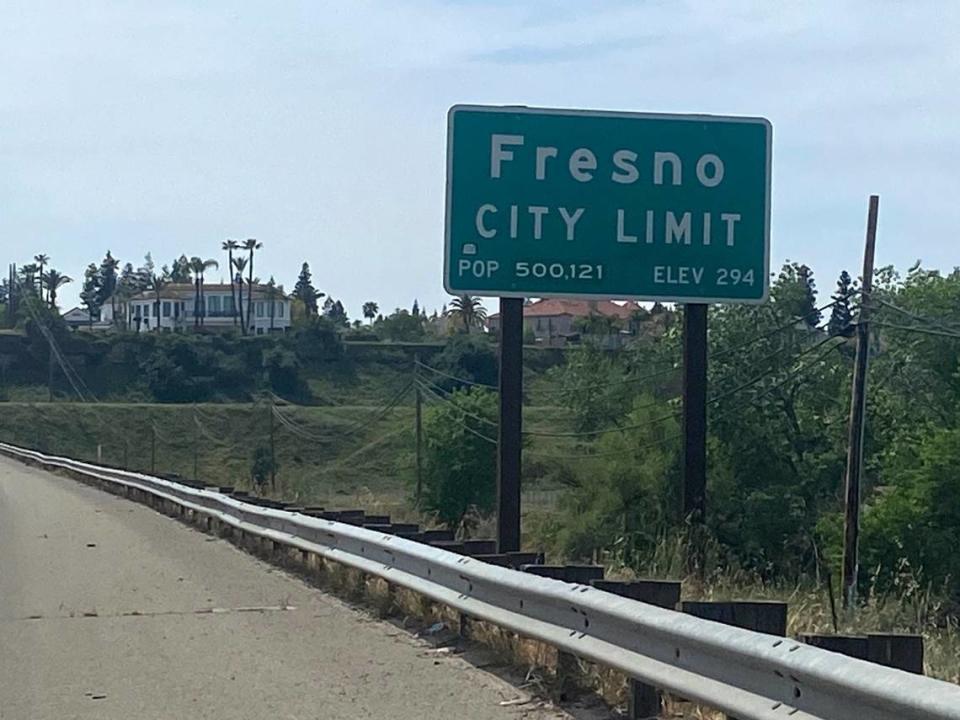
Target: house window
(166,308)
(259,309)
(176,309)
(137,311)
(280,307)
(213,304)
(229,306)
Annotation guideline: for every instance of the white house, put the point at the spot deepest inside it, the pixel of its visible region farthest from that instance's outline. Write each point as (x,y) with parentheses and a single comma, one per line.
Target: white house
(174,310)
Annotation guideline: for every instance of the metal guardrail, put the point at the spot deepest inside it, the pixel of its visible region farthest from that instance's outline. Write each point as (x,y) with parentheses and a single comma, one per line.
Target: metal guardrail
(745,674)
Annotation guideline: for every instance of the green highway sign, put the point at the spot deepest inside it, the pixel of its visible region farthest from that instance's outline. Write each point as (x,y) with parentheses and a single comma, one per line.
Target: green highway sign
(545,203)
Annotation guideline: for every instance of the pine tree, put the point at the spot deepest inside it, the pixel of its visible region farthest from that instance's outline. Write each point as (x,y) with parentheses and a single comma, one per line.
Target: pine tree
(841,316)
(181,270)
(128,278)
(90,294)
(108,282)
(334,311)
(305,291)
(145,273)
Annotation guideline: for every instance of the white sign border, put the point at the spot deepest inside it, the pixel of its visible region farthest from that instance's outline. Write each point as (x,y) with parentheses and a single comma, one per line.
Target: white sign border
(528,110)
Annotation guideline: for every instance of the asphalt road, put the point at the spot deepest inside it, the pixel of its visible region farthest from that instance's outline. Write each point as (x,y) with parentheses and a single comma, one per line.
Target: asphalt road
(110,610)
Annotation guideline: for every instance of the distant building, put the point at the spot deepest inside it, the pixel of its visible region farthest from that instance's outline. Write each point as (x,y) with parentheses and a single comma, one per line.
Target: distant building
(174,310)
(558,321)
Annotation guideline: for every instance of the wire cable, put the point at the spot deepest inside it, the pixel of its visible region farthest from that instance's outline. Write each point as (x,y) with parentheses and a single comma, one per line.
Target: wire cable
(924,331)
(660,373)
(941,323)
(461,422)
(792,375)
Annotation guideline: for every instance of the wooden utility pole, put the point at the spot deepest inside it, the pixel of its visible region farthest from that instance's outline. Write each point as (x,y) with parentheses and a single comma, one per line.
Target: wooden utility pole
(196,442)
(694,413)
(508,445)
(50,361)
(273,450)
(419,415)
(858,401)
(153,448)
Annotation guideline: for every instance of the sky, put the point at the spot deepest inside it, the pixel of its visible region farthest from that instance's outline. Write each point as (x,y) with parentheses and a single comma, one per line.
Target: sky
(319,127)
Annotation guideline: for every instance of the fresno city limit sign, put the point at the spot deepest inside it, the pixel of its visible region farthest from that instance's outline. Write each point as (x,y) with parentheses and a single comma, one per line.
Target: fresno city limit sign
(579,203)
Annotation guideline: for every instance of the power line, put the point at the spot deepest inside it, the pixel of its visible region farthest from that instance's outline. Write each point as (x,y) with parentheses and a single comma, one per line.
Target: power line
(792,375)
(941,323)
(925,331)
(428,386)
(296,429)
(792,323)
(447,375)
(76,382)
(609,453)
(660,373)
(461,422)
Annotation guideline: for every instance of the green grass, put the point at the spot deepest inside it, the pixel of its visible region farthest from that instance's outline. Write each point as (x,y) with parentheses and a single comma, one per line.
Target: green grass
(339,456)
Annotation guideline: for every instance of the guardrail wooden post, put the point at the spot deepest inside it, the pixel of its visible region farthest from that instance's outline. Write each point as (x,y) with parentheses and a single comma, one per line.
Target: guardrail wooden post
(643,701)
(901,651)
(766,616)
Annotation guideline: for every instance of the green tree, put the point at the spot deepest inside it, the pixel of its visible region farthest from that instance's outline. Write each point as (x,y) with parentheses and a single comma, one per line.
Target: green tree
(592,384)
(370,310)
(263,467)
(250,245)
(228,246)
(90,294)
(157,284)
(622,504)
(239,265)
(54,280)
(199,267)
(334,311)
(471,358)
(777,425)
(459,475)
(841,315)
(42,261)
(305,291)
(401,326)
(796,291)
(468,312)
(180,273)
(108,284)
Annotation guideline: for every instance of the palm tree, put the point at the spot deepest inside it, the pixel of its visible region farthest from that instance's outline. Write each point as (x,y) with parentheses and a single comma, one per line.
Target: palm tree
(230,246)
(271,296)
(41,260)
(469,310)
(239,264)
(199,267)
(29,274)
(157,284)
(370,310)
(55,280)
(250,244)
(196,267)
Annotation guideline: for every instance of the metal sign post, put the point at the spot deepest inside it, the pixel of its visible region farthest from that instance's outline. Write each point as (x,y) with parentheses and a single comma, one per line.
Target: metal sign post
(509,439)
(694,412)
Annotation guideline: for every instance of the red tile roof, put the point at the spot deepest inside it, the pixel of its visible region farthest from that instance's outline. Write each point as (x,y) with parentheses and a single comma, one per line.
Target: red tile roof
(553,307)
